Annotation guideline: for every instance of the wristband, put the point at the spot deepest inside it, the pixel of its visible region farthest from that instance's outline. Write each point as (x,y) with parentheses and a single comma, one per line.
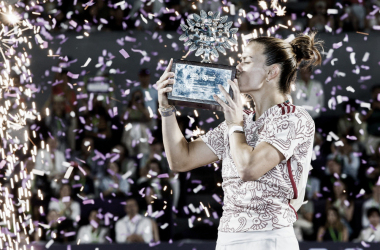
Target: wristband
(235,128)
(165,112)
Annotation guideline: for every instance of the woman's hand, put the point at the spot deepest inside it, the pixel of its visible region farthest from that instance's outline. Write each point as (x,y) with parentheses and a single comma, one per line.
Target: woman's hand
(233,112)
(161,86)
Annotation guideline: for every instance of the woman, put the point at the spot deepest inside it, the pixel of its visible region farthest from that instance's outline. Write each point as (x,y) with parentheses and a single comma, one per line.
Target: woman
(333,230)
(113,183)
(342,202)
(136,119)
(266,164)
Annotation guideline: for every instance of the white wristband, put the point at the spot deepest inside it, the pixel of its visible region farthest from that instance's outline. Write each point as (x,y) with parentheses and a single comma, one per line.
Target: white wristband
(235,128)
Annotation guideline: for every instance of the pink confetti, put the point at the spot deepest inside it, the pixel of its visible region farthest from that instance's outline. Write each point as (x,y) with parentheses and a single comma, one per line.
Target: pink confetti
(91,201)
(66,199)
(74,76)
(124,53)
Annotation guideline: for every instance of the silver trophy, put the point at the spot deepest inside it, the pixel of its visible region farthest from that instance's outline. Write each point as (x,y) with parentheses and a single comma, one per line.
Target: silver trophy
(196,82)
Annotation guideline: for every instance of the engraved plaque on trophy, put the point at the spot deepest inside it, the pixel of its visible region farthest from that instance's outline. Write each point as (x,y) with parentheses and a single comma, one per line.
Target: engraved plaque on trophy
(196,82)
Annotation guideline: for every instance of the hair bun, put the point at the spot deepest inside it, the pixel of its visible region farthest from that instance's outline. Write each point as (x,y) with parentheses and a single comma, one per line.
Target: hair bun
(306,49)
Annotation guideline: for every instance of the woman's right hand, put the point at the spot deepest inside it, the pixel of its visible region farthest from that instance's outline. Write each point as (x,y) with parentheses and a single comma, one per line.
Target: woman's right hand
(161,86)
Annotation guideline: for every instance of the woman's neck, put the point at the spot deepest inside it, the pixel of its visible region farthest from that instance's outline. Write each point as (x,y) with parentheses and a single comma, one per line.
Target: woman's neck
(265,100)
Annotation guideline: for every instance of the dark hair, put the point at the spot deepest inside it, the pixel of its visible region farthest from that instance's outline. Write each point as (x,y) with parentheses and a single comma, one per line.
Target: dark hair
(338,225)
(290,55)
(375,87)
(154,160)
(372,210)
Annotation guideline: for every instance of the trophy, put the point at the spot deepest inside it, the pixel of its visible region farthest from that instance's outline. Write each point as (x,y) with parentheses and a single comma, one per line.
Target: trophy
(196,82)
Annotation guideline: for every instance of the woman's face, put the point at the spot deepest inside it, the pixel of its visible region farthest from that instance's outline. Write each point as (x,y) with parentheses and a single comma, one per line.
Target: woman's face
(252,71)
(338,188)
(65,191)
(154,167)
(113,167)
(331,216)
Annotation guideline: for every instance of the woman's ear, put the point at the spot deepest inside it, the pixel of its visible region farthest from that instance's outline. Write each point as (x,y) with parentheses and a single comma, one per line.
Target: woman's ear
(273,72)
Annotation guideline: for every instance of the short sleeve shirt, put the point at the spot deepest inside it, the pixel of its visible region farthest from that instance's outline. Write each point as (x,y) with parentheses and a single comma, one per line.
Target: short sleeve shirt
(264,204)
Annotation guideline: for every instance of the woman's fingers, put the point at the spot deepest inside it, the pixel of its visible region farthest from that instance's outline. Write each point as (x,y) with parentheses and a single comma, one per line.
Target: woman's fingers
(169,67)
(235,88)
(165,90)
(224,92)
(221,102)
(166,82)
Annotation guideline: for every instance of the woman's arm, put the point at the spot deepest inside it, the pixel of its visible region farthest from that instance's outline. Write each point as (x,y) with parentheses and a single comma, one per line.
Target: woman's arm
(349,211)
(252,163)
(320,234)
(345,235)
(182,155)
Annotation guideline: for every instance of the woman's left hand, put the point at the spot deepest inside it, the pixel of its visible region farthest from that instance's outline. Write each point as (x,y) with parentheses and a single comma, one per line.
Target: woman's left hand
(233,112)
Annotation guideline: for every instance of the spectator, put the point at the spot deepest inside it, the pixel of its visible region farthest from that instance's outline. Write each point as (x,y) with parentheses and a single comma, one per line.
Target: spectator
(308,93)
(150,96)
(82,180)
(374,201)
(149,177)
(133,228)
(61,88)
(304,225)
(156,151)
(51,162)
(151,11)
(373,120)
(334,172)
(320,18)
(334,229)
(113,183)
(350,22)
(371,233)
(126,163)
(342,202)
(52,221)
(322,149)
(93,232)
(88,156)
(162,190)
(66,206)
(351,162)
(348,125)
(359,11)
(60,123)
(374,159)
(313,188)
(135,136)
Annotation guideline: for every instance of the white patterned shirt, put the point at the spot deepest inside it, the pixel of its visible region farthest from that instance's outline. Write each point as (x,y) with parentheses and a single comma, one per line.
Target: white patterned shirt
(264,204)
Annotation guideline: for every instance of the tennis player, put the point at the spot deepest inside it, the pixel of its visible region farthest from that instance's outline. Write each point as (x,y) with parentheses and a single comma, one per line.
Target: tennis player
(266,153)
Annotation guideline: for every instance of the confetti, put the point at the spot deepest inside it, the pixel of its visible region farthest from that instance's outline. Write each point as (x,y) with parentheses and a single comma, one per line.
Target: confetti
(124,53)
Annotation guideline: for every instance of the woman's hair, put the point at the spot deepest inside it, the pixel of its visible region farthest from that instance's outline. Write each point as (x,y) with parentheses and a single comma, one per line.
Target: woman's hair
(338,225)
(301,52)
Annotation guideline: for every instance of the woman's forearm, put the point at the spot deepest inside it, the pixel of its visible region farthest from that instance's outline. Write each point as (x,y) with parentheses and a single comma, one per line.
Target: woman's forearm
(175,144)
(241,152)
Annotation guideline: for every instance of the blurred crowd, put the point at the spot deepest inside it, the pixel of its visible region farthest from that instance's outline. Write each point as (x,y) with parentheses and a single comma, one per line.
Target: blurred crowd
(114,15)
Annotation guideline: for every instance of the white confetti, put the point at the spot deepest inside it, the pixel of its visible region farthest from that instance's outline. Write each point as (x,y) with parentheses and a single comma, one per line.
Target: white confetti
(365,57)
(68,172)
(352,58)
(86,63)
(351,89)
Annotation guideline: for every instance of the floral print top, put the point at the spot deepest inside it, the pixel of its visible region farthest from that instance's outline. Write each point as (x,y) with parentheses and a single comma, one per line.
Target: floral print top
(264,204)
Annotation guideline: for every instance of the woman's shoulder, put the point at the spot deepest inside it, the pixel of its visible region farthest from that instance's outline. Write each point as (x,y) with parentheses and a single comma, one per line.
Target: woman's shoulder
(292,111)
